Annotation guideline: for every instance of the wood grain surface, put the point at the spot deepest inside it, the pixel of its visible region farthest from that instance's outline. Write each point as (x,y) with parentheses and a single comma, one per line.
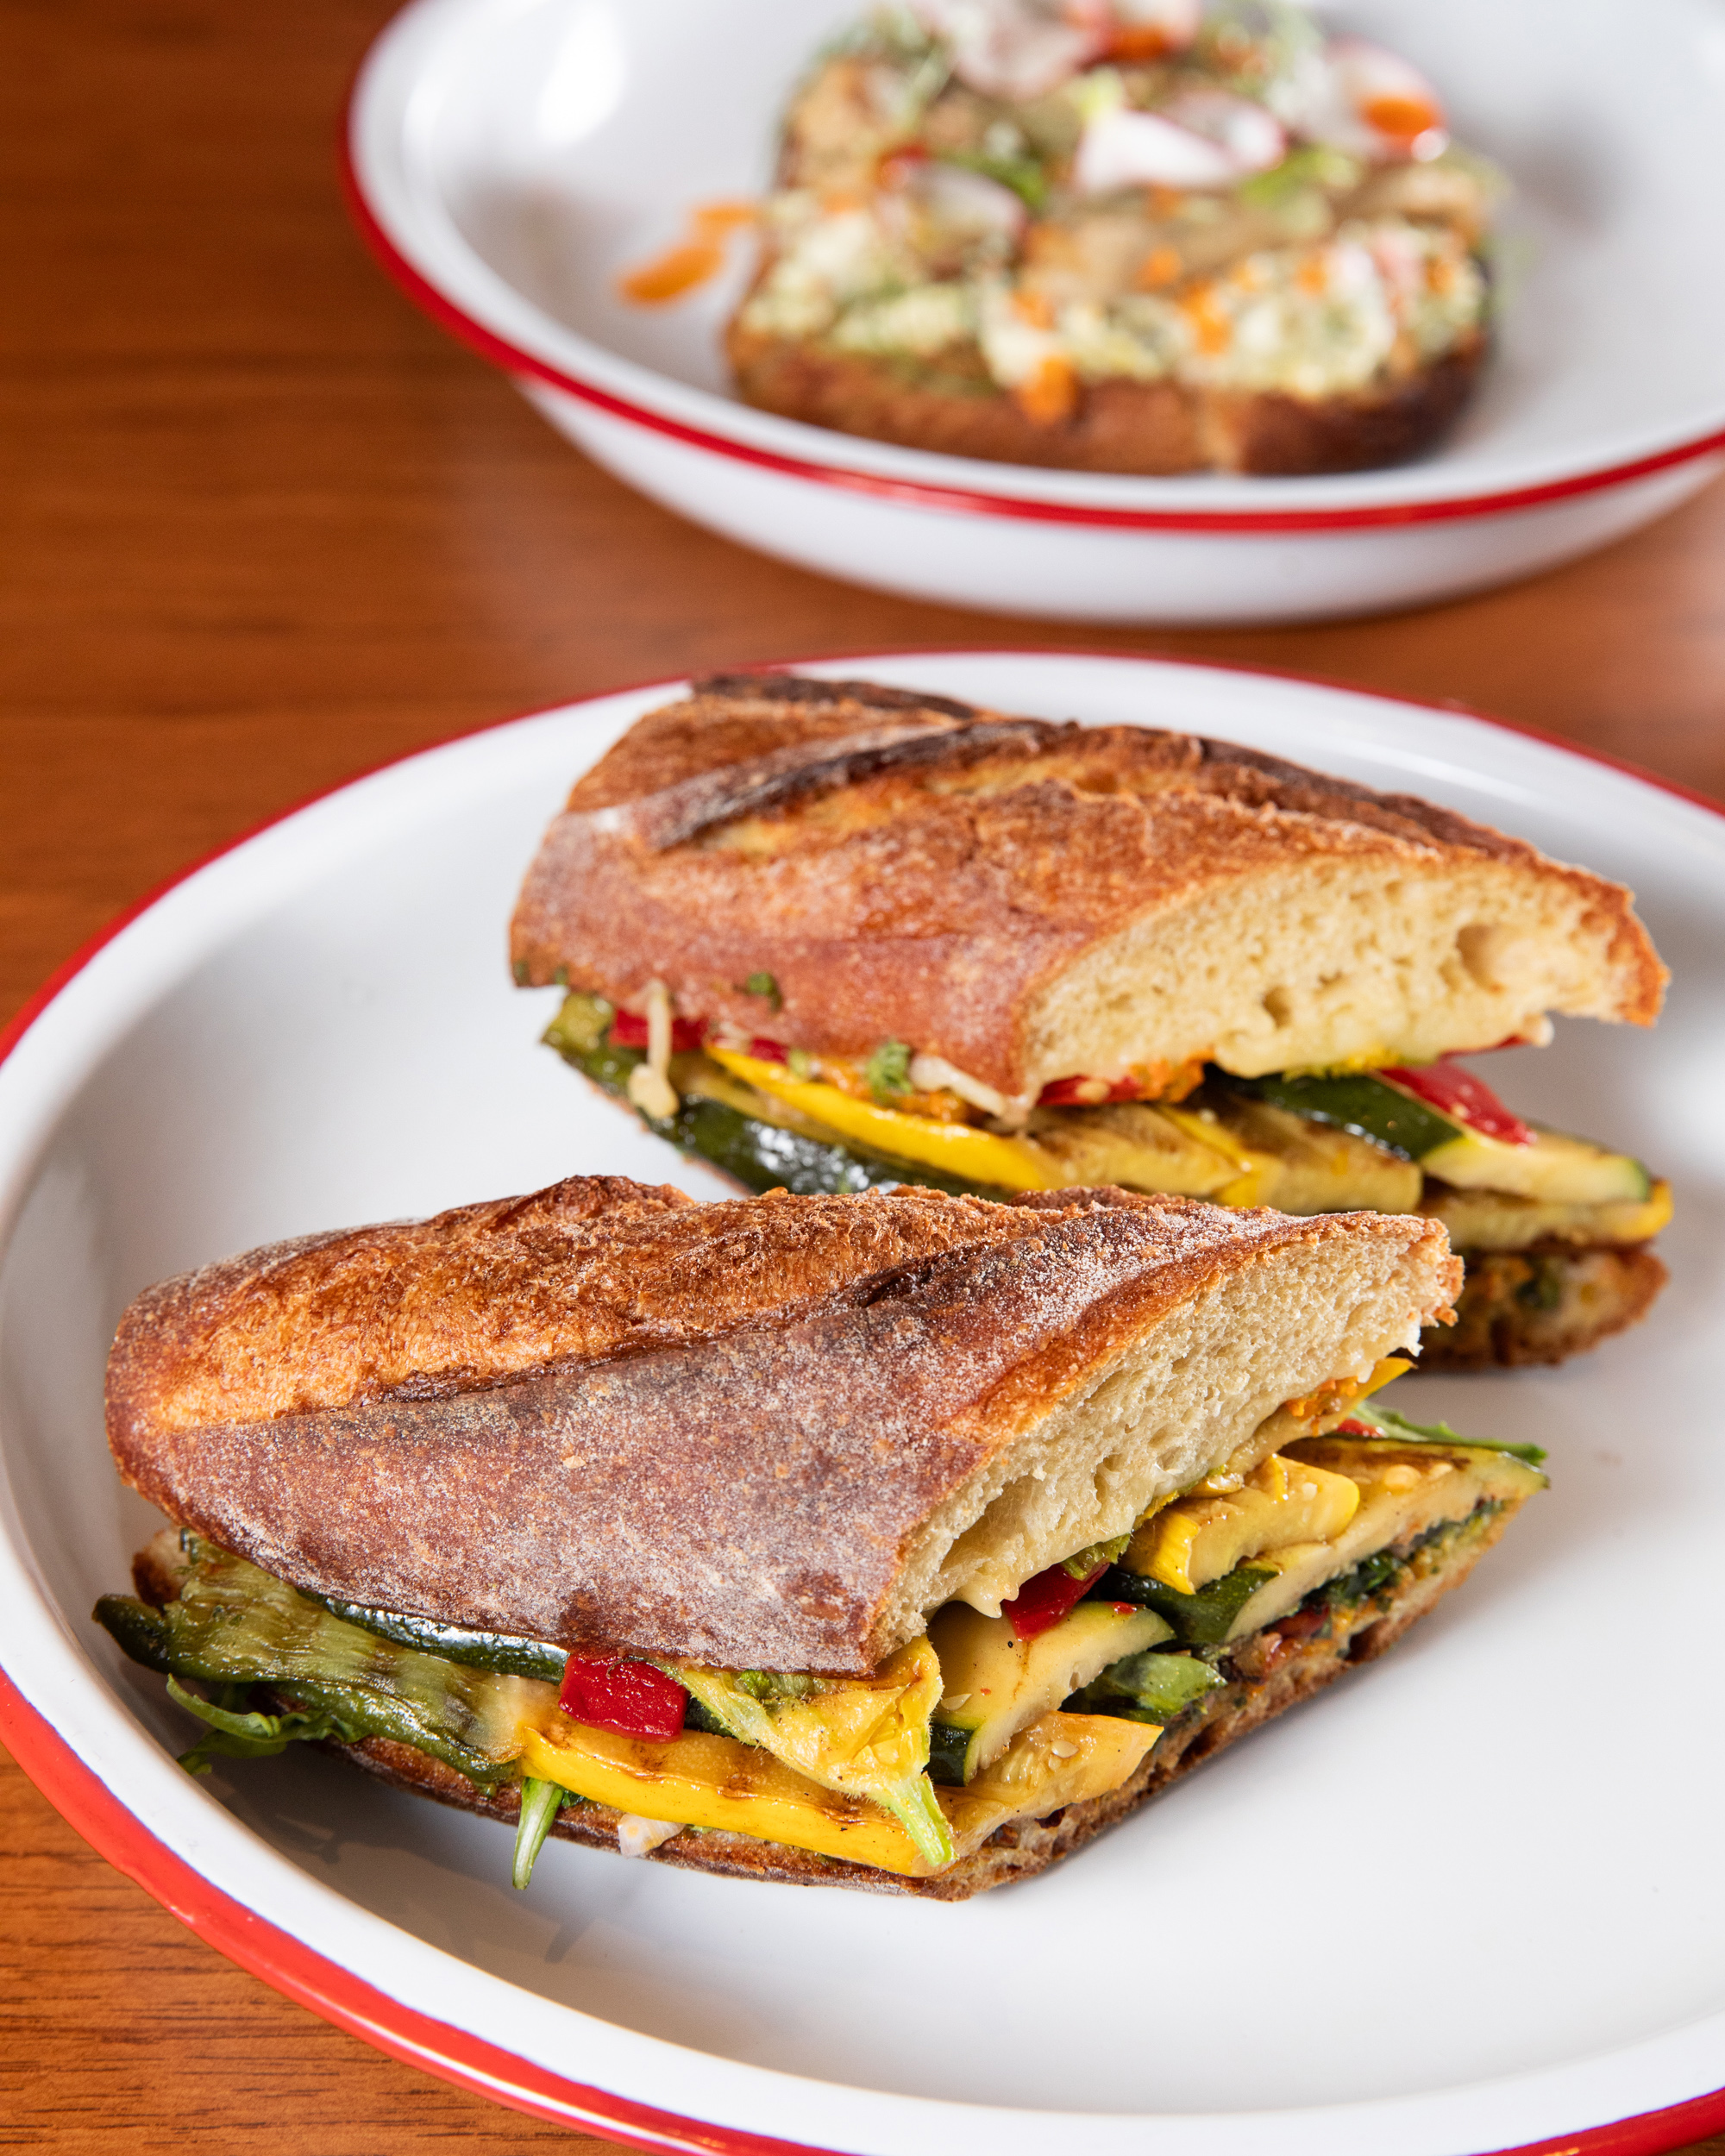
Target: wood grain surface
(263,527)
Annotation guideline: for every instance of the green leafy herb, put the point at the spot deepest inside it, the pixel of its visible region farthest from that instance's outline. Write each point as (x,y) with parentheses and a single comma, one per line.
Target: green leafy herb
(1023,175)
(1312,165)
(769,1686)
(764,984)
(888,1070)
(519,969)
(541,1802)
(243,1735)
(1389,1425)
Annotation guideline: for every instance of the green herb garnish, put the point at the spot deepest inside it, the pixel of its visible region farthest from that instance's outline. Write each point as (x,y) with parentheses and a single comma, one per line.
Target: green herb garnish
(541,1802)
(888,1070)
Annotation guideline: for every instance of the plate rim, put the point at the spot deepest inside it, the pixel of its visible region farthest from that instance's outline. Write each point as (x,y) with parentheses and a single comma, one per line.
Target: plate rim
(905,488)
(306,1975)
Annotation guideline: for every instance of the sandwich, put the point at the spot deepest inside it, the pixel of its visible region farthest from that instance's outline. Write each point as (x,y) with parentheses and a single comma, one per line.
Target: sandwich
(1119,237)
(896,1540)
(826,935)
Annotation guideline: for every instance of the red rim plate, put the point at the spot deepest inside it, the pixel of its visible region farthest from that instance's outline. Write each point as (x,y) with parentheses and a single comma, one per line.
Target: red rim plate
(955,500)
(299,1972)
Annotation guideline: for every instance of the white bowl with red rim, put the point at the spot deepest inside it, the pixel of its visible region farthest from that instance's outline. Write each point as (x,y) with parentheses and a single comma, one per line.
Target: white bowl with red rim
(509,158)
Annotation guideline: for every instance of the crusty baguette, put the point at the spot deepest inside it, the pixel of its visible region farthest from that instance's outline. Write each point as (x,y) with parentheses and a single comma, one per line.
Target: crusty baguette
(1151,429)
(1031,901)
(1268,1673)
(771,1433)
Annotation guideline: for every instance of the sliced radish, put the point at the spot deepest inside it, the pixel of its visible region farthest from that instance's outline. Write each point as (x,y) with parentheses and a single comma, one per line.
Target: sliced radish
(1013,49)
(964,203)
(1249,133)
(1364,98)
(1216,139)
(1389,95)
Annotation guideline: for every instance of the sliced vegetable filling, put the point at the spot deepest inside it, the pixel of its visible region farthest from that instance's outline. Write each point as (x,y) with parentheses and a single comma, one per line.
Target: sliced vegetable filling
(986,1718)
(1434,1140)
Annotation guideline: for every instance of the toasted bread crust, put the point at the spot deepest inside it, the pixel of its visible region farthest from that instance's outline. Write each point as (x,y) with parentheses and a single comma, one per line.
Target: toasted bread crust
(731,1460)
(1272,1679)
(927,875)
(1149,429)
(1518,1309)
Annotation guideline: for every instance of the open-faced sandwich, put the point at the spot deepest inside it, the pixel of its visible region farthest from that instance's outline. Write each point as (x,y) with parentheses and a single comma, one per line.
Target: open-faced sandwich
(1126,236)
(827,935)
(897,1540)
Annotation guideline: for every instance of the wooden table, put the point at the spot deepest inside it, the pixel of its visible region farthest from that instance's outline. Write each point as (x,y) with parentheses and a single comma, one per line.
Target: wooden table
(265,527)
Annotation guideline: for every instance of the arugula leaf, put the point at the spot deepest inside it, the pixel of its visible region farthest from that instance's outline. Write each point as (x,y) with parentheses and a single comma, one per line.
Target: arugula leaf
(541,1802)
(1390,1425)
(235,1734)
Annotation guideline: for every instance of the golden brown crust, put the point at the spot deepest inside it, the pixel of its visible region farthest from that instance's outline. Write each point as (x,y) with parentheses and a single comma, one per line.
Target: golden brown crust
(928,885)
(726,1451)
(1273,1672)
(1152,429)
(1520,1308)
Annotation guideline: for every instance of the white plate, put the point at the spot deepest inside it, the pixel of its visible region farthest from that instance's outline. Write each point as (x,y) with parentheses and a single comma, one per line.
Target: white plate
(508,157)
(1472,1900)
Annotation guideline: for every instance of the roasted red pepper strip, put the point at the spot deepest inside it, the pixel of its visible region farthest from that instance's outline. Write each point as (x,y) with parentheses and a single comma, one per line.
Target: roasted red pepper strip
(1086,1092)
(1351,1429)
(766,1051)
(631,1699)
(629,1032)
(1042,1602)
(1468,1099)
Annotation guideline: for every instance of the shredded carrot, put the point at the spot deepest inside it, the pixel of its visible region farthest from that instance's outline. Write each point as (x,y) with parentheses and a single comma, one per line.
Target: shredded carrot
(1164,202)
(1401,119)
(1050,394)
(1138,41)
(671,274)
(1313,276)
(1441,275)
(1034,308)
(1159,268)
(716,220)
(680,269)
(1210,326)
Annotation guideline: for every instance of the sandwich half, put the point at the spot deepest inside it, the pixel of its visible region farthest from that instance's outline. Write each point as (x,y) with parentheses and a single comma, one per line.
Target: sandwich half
(899,1540)
(828,935)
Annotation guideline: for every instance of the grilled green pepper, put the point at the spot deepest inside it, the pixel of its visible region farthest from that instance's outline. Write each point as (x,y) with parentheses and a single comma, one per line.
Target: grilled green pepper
(233,1625)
